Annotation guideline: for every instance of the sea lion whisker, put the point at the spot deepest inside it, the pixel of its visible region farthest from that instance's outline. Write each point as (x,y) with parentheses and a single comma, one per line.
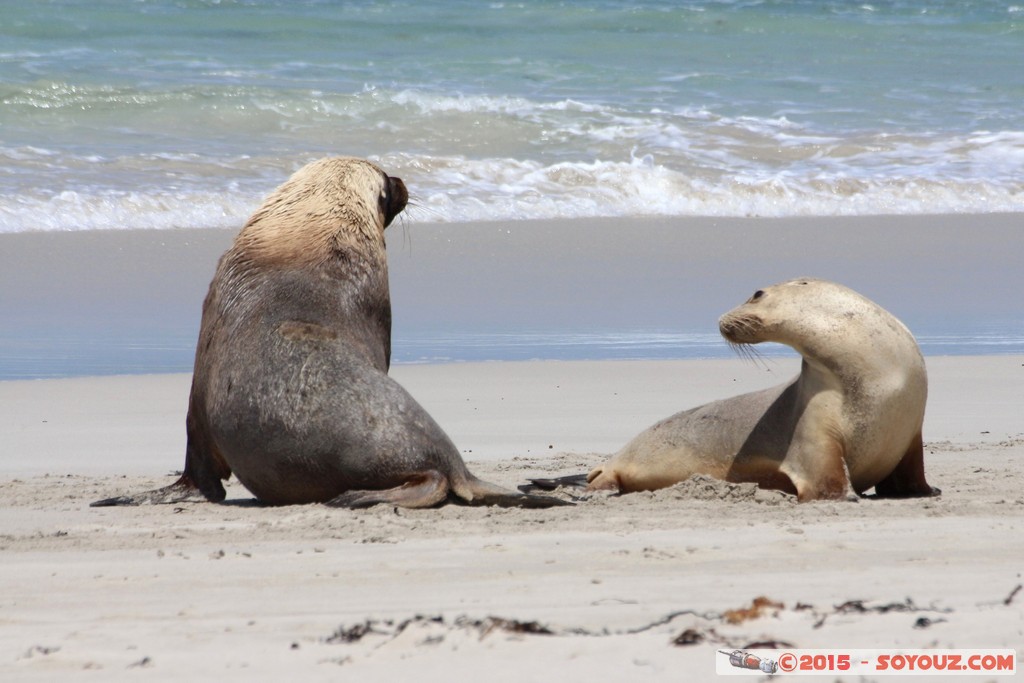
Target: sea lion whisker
(749,353)
(414,207)
(406,235)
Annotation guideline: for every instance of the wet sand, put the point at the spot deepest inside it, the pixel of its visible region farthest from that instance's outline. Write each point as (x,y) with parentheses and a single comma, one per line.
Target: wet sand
(128,301)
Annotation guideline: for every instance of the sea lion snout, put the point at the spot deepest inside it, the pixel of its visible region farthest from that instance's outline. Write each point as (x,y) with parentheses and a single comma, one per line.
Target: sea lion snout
(740,328)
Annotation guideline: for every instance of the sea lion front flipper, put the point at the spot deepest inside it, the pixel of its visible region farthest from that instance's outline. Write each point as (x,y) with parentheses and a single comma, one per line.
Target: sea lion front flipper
(200,481)
(423,490)
(552,483)
(907,479)
(181,491)
(819,473)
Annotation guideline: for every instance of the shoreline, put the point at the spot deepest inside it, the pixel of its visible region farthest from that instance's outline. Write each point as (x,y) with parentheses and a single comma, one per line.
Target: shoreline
(109,302)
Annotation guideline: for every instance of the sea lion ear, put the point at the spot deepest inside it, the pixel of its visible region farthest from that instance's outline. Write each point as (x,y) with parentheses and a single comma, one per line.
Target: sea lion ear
(393,199)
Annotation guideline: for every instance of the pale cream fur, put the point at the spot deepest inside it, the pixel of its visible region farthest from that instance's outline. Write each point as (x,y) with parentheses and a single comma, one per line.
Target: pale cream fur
(328,204)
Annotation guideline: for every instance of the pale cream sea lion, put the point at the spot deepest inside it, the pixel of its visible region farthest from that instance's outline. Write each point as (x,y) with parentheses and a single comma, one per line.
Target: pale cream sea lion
(851,420)
(290,390)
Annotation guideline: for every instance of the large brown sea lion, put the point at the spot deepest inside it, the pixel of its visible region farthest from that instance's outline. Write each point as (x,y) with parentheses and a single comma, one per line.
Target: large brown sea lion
(290,389)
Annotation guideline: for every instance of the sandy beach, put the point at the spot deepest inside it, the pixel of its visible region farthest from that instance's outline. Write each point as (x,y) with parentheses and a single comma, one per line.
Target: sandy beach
(643,586)
(591,186)
(601,590)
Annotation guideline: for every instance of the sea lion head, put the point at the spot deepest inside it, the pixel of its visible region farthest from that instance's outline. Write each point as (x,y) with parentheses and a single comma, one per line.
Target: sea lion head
(793,313)
(831,326)
(327,205)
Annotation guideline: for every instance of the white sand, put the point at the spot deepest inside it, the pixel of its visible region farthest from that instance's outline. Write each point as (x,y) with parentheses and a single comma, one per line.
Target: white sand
(242,592)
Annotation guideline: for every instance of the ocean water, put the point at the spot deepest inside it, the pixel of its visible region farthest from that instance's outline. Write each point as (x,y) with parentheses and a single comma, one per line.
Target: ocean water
(159,114)
(168,113)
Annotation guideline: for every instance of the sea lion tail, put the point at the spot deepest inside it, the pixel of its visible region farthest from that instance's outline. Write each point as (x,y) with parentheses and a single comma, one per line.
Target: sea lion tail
(473,491)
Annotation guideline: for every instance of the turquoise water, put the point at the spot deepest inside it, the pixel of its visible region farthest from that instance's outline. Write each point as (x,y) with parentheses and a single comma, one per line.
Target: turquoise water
(166,113)
(142,353)
(159,114)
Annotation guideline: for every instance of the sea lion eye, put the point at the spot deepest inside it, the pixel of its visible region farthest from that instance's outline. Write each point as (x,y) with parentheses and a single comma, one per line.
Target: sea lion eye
(757,295)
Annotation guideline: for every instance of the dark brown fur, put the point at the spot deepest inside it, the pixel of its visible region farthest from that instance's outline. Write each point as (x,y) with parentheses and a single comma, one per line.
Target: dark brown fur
(290,390)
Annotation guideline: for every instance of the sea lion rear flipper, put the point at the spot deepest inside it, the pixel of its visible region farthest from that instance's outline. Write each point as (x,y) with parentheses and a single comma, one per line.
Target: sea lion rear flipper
(907,479)
(423,490)
(473,491)
(519,500)
(552,483)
